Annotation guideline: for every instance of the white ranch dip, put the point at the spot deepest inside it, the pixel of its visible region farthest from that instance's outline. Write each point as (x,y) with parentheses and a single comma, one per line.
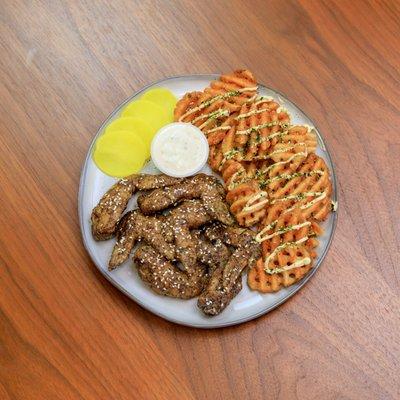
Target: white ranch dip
(179,149)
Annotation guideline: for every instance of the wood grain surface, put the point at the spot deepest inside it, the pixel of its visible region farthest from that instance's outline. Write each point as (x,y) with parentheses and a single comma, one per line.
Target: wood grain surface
(65,332)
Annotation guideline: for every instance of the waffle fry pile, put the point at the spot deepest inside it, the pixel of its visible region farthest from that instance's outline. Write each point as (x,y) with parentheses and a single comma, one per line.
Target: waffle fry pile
(275,182)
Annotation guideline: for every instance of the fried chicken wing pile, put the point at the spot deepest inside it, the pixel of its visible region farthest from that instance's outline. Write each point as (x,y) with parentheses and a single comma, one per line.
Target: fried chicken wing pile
(189,244)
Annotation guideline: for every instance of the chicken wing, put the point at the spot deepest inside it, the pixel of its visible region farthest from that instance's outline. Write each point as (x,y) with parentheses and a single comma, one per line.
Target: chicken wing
(148,182)
(134,227)
(226,280)
(211,254)
(169,235)
(165,278)
(107,213)
(235,236)
(204,187)
(188,215)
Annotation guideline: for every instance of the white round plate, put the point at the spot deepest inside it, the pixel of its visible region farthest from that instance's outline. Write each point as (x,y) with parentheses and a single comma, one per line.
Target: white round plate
(247,304)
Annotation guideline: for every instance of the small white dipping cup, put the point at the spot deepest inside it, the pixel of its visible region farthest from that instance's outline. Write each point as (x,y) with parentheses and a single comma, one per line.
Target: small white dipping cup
(179,149)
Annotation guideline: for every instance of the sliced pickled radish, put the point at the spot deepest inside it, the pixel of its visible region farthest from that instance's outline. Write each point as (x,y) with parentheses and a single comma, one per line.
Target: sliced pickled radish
(120,153)
(150,112)
(162,97)
(133,124)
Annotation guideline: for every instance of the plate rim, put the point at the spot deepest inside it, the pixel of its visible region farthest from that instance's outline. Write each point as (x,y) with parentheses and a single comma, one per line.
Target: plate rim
(153,310)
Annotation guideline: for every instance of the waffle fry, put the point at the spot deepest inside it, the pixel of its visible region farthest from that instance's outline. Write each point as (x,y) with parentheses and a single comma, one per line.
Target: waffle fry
(218,134)
(259,127)
(287,253)
(215,157)
(308,187)
(208,109)
(188,101)
(239,197)
(218,139)
(251,193)
(225,150)
(294,145)
(277,217)
(239,80)
(261,281)
(253,131)
(235,172)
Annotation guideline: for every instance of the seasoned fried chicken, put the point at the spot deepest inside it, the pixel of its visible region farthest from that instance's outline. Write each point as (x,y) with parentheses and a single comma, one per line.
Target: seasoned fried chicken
(226,282)
(107,213)
(165,278)
(148,182)
(170,235)
(211,254)
(216,297)
(204,187)
(233,235)
(133,227)
(192,249)
(189,215)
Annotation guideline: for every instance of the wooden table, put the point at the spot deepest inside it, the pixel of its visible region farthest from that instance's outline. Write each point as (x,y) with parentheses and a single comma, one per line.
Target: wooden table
(66,332)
